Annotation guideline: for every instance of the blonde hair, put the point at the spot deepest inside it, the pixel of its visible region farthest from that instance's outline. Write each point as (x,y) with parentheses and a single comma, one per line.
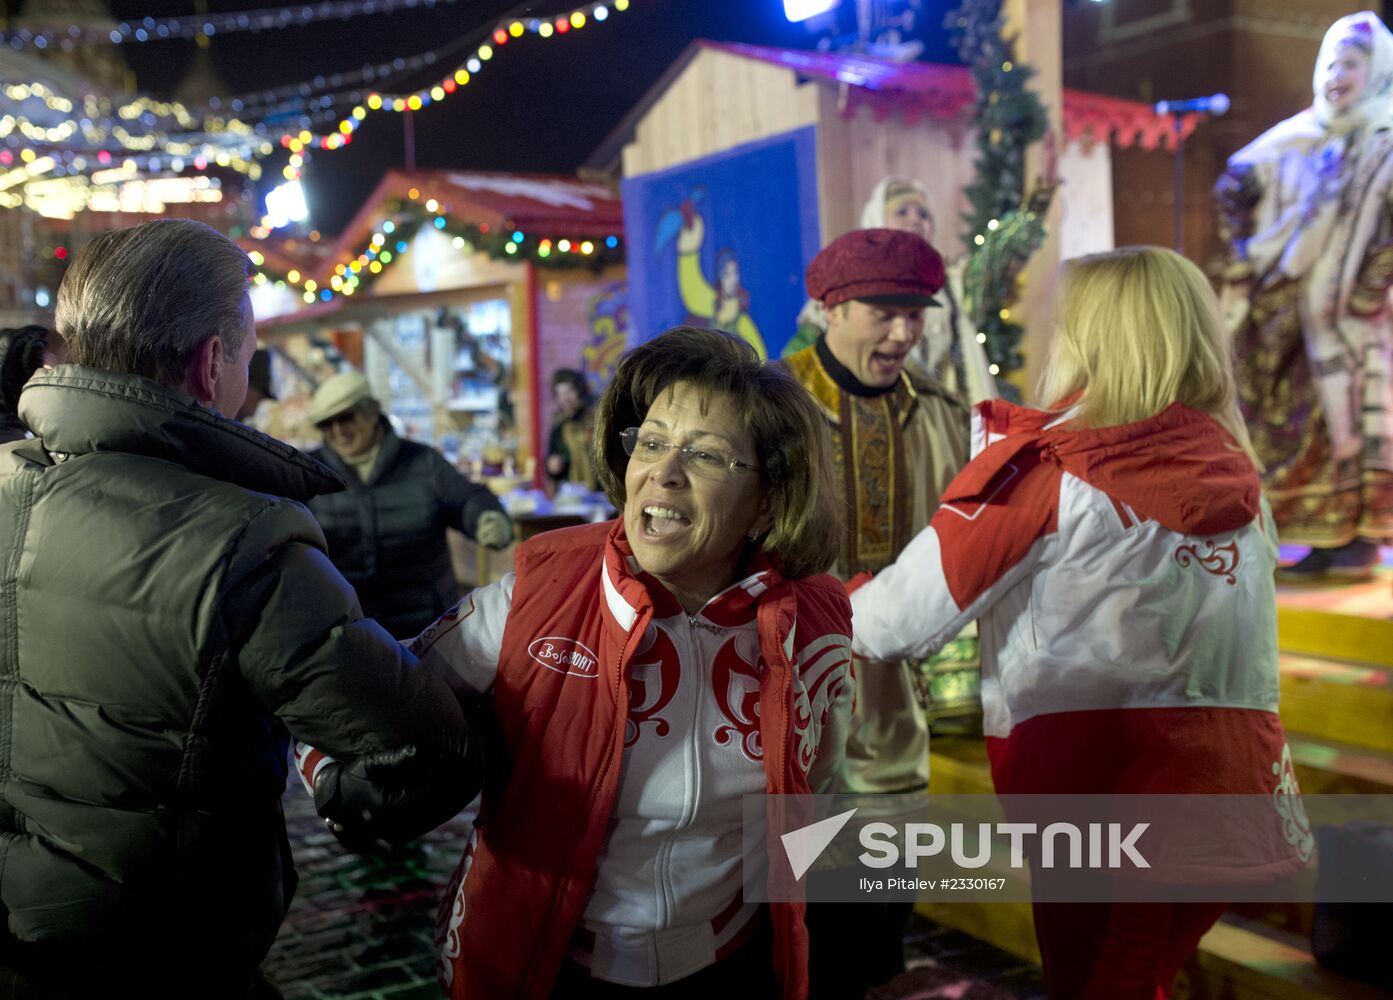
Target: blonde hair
(1138,330)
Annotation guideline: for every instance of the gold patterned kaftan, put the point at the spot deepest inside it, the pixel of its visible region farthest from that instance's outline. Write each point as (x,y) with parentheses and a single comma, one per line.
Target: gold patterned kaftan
(895,454)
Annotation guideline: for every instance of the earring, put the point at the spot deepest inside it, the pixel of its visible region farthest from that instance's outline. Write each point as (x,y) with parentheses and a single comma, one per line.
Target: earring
(754,534)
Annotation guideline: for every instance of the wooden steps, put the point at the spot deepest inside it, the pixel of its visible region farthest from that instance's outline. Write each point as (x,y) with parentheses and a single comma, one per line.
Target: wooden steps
(1358,638)
(1333,700)
(1325,767)
(958,766)
(1239,958)
(1260,952)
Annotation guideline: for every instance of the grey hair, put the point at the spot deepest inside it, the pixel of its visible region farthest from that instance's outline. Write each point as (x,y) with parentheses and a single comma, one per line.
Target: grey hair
(141,300)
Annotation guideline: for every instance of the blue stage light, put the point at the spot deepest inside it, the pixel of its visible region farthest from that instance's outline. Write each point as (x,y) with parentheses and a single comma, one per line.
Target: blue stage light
(801,10)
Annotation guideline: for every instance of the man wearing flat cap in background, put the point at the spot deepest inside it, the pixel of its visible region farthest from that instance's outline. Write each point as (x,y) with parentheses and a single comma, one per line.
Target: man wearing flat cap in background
(386,532)
(899,439)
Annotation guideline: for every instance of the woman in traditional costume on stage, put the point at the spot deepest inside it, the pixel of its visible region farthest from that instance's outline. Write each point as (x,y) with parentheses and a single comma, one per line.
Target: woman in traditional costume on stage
(1307,216)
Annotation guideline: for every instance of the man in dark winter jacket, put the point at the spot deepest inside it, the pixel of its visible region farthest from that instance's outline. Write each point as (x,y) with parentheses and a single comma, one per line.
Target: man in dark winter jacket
(167,612)
(386,532)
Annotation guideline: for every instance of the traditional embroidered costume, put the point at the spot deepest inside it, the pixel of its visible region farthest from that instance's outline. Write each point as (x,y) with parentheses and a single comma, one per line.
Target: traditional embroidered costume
(895,451)
(1307,212)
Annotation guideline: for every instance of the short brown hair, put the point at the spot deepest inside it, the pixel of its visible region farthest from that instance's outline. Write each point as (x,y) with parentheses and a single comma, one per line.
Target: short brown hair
(139,301)
(792,444)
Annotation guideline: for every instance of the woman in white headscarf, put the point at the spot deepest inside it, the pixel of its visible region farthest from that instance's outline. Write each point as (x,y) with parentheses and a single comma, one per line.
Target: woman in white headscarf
(948,351)
(1306,212)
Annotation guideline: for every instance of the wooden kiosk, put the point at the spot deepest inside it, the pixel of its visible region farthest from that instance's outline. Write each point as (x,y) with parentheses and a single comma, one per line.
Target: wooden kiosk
(458,294)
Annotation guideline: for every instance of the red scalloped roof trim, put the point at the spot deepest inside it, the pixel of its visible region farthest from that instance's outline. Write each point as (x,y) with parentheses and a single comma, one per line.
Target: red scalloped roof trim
(918,90)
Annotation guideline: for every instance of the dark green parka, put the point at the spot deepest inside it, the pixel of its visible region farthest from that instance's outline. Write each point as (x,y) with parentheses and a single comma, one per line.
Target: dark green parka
(166,612)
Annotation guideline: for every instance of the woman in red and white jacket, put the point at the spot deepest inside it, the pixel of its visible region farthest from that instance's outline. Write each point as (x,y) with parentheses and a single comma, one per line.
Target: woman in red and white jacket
(1119,557)
(647,673)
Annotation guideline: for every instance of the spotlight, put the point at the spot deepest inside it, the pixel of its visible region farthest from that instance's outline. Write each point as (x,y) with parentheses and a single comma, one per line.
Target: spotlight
(801,10)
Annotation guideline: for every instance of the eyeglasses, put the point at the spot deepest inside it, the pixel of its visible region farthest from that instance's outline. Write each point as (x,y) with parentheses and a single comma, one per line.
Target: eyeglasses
(703,462)
(346,417)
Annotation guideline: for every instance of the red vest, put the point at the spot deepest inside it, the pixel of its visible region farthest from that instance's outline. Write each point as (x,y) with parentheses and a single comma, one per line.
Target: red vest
(578,616)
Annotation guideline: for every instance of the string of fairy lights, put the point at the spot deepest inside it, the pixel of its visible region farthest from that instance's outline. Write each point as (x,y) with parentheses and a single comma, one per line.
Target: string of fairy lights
(155,29)
(146,134)
(451,82)
(389,242)
(98,118)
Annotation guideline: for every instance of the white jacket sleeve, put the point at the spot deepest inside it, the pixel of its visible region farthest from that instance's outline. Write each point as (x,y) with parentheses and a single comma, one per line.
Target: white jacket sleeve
(907,610)
(465,643)
(462,647)
(996,524)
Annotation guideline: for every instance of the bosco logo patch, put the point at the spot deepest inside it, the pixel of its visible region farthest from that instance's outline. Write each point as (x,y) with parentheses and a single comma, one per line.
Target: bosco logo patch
(565,656)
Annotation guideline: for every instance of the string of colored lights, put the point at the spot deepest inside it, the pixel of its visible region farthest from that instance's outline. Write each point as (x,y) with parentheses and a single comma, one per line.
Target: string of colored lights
(116,191)
(199,157)
(505,32)
(131,124)
(313,89)
(114,142)
(98,125)
(157,29)
(386,245)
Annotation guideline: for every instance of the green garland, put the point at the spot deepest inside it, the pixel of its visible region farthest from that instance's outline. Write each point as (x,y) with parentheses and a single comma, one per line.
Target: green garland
(495,243)
(542,248)
(1002,233)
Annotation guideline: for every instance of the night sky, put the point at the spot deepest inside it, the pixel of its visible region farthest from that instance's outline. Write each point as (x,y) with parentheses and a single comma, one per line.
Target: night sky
(539,106)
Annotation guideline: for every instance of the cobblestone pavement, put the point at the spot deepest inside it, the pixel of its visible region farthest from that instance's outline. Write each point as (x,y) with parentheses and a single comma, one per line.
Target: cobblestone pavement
(361,928)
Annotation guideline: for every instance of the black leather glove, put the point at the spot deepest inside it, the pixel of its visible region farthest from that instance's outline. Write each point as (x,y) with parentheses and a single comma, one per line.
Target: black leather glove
(385,799)
(394,796)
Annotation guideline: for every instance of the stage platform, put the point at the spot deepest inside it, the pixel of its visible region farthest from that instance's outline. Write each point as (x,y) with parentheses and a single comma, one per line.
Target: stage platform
(1336,666)
(1337,621)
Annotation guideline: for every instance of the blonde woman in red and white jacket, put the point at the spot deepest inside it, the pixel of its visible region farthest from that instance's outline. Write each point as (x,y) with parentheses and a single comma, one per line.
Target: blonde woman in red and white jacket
(1119,557)
(647,673)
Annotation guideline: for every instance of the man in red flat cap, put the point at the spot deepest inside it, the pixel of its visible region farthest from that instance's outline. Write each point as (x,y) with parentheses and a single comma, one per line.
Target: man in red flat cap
(899,438)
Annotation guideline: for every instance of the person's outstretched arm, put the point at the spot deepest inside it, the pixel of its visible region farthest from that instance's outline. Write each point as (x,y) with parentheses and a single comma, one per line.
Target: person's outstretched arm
(462,647)
(471,507)
(993,529)
(339,682)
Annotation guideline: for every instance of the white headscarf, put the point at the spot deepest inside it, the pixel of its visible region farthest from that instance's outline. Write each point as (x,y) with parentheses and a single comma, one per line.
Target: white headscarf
(938,333)
(1375,104)
(1319,137)
(873,214)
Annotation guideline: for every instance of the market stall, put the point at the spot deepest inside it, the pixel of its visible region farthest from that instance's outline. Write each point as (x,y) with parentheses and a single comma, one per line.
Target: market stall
(458,294)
